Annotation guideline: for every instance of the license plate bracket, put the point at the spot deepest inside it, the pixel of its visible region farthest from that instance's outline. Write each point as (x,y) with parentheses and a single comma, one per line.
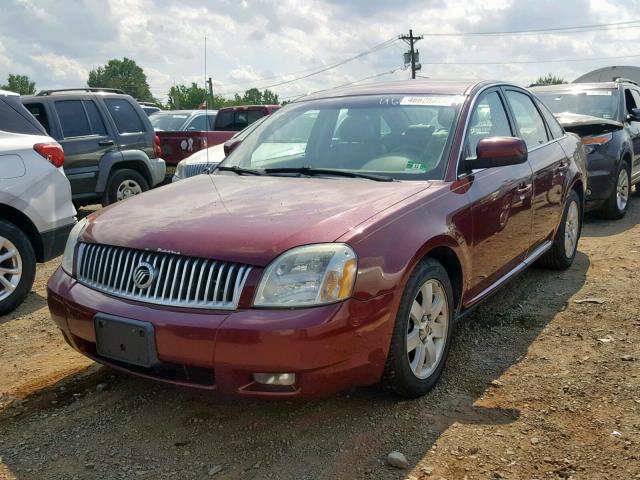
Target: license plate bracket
(125,340)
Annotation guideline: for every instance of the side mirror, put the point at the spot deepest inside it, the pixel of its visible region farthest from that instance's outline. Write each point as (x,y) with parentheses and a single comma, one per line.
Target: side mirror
(499,152)
(231,144)
(634,116)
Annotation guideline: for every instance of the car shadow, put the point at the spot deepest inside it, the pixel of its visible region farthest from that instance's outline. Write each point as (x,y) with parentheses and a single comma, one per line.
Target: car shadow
(599,227)
(127,425)
(32,303)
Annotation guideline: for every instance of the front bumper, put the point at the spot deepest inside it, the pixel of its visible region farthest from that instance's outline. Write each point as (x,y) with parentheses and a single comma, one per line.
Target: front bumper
(330,348)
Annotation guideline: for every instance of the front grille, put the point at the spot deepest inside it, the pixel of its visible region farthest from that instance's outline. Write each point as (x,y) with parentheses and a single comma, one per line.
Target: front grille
(179,281)
(197,168)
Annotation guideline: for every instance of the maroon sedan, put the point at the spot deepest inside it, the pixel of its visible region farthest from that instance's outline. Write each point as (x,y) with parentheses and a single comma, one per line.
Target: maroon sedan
(336,246)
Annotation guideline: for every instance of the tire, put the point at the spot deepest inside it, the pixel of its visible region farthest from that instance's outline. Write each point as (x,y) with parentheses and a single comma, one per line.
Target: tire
(123,184)
(617,204)
(560,257)
(400,375)
(14,287)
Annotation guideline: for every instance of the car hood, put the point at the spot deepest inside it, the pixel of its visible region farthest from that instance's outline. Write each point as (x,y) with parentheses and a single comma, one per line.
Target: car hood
(586,124)
(246,219)
(213,154)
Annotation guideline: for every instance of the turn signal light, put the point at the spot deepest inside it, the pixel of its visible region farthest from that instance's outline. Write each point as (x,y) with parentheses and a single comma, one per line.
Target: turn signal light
(286,379)
(52,152)
(597,139)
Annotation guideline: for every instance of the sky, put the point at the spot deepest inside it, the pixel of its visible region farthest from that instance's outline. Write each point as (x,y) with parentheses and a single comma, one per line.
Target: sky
(259,43)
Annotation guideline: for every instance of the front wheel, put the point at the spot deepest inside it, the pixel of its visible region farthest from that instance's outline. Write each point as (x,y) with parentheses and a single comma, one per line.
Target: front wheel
(17,266)
(422,332)
(565,244)
(618,202)
(123,184)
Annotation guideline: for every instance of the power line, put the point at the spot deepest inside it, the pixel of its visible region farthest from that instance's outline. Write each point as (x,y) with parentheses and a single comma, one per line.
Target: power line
(587,59)
(540,31)
(375,48)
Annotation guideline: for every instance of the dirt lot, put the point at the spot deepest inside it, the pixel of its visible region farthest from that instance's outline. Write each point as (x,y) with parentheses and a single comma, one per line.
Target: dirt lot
(543,382)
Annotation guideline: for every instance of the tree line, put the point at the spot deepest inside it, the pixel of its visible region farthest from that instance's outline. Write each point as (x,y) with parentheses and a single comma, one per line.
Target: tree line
(129,77)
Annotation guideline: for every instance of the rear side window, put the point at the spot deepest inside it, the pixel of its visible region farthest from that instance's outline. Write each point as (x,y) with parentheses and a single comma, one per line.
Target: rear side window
(554,126)
(528,119)
(124,115)
(97,125)
(14,118)
(73,118)
(237,120)
(39,111)
(255,115)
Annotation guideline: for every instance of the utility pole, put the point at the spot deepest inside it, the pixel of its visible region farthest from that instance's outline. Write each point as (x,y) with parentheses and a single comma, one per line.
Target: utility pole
(210,83)
(412,56)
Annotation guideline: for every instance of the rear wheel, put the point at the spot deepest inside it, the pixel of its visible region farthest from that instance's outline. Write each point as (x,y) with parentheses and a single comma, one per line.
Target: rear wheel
(422,332)
(565,243)
(617,204)
(17,266)
(123,184)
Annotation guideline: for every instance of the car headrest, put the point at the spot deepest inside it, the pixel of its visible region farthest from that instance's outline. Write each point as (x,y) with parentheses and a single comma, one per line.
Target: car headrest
(445,117)
(356,129)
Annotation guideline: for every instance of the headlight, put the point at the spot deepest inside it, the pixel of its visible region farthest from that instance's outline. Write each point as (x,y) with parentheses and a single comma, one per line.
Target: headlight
(180,169)
(592,142)
(70,248)
(309,275)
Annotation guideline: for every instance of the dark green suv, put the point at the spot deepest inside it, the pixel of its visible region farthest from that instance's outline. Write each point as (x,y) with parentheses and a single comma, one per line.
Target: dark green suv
(111,150)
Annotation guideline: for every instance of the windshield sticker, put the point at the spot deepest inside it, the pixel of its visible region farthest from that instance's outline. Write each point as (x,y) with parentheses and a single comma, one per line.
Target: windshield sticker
(439,101)
(604,93)
(415,167)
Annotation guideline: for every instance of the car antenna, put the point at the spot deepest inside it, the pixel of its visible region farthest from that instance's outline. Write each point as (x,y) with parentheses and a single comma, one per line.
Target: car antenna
(206,102)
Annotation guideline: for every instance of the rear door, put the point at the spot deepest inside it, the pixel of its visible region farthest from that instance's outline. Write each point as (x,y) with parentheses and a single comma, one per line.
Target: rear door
(548,162)
(130,128)
(500,200)
(631,101)
(85,138)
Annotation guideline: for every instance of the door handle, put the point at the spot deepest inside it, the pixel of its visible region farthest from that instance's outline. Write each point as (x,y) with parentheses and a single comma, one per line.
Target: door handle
(105,143)
(562,167)
(524,189)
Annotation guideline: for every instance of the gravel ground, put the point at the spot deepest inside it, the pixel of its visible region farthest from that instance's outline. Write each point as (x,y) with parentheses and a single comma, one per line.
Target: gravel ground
(541,384)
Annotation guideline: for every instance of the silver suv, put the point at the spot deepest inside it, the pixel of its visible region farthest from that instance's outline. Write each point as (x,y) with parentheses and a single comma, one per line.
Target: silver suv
(36,212)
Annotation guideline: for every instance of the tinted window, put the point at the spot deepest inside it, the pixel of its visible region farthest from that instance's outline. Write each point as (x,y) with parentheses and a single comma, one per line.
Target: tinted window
(554,126)
(199,123)
(14,118)
(255,115)
(95,119)
(73,119)
(528,119)
(224,120)
(40,113)
(124,115)
(489,119)
(636,97)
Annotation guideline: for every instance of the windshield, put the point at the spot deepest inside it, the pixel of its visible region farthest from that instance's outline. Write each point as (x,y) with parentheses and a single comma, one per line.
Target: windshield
(168,121)
(597,103)
(402,137)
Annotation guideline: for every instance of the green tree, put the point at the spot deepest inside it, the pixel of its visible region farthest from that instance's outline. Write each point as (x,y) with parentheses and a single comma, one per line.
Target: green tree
(253,96)
(549,79)
(124,74)
(19,84)
(188,97)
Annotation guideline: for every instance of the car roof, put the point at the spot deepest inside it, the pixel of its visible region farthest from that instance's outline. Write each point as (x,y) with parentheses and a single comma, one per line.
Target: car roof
(8,93)
(575,86)
(408,87)
(247,107)
(186,112)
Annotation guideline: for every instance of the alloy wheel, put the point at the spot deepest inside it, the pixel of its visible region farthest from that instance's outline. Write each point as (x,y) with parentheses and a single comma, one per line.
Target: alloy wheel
(571,230)
(10,267)
(622,190)
(427,328)
(128,188)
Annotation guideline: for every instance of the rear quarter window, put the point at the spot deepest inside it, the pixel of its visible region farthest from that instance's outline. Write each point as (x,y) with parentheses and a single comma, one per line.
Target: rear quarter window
(124,115)
(14,118)
(556,130)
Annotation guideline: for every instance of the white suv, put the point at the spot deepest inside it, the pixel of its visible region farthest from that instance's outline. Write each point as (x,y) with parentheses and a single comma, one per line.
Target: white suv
(36,212)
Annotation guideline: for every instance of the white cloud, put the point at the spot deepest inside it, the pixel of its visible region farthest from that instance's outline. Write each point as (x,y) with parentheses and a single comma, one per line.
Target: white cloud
(63,68)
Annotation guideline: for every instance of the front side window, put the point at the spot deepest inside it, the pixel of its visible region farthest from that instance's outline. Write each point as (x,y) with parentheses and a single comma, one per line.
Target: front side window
(73,118)
(528,119)
(488,119)
(124,115)
(403,137)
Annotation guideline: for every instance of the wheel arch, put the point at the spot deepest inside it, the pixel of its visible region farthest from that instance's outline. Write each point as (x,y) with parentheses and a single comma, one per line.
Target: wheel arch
(24,223)
(112,161)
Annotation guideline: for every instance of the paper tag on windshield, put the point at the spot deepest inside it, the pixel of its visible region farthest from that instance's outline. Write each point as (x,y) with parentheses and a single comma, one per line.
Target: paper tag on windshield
(439,100)
(604,93)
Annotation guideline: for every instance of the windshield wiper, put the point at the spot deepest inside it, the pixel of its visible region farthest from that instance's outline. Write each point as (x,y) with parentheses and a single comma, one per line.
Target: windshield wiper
(239,170)
(327,171)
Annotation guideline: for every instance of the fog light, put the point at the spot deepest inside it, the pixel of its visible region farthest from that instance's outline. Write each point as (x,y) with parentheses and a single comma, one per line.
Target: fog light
(286,379)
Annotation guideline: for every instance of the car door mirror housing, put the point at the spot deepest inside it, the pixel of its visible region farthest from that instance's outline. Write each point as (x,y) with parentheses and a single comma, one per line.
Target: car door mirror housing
(634,116)
(498,152)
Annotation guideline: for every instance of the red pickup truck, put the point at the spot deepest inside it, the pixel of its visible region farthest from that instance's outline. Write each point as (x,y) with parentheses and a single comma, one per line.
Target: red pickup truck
(183,142)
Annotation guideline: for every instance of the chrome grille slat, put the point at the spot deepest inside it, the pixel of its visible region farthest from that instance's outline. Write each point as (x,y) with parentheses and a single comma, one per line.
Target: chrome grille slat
(181,281)
(197,169)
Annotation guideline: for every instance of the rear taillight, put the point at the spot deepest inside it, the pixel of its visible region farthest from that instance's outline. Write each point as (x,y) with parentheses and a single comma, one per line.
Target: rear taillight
(157,150)
(52,152)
